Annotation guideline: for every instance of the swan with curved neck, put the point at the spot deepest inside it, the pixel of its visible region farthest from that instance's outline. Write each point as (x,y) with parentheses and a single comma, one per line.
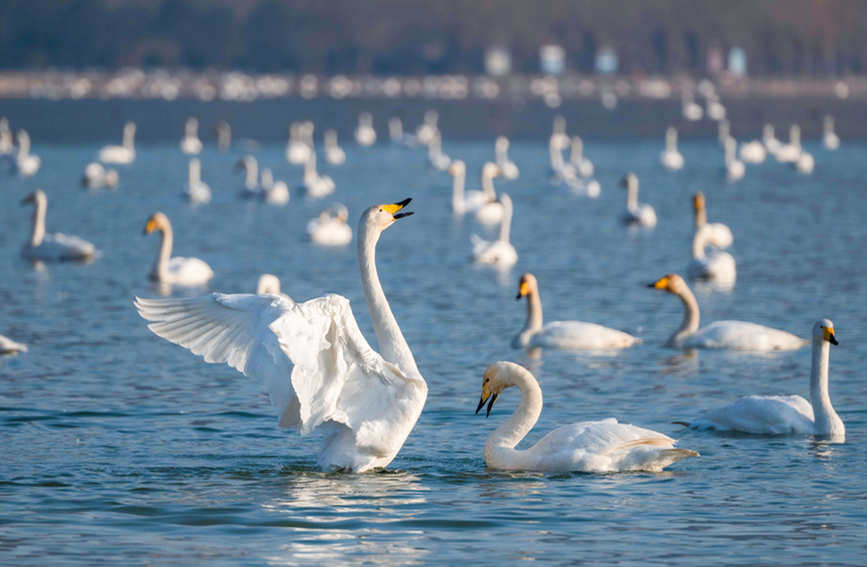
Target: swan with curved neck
(568,335)
(316,186)
(273,192)
(123,154)
(252,188)
(464,201)
(722,235)
(500,252)
(177,270)
(26,164)
(330,228)
(196,190)
(829,139)
(365,135)
(334,154)
(190,143)
(779,415)
(589,446)
(491,212)
(52,247)
(507,167)
(671,158)
(736,335)
(636,213)
(717,266)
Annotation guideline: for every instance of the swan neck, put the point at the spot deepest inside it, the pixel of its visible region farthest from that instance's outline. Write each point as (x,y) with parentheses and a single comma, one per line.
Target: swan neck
(37,231)
(826,419)
(161,265)
(195,173)
(23,146)
(500,447)
(699,242)
(458,191)
(392,345)
(129,139)
(534,313)
(556,155)
(700,217)
(252,173)
(488,186)
(632,195)
(506,223)
(690,322)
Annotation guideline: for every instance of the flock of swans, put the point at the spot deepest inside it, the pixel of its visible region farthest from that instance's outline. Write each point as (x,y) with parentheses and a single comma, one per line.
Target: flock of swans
(321,373)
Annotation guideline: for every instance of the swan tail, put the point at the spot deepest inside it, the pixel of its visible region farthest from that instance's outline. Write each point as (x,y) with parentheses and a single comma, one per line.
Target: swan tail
(683,423)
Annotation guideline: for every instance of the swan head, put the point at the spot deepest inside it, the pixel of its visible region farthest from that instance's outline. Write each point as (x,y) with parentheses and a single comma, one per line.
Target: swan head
(457,167)
(497,378)
(502,143)
(490,169)
(157,221)
(671,283)
(527,285)
(698,201)
(35,198)
(823,330)
(629,180)
(129,127)
(268,283)
(380,217)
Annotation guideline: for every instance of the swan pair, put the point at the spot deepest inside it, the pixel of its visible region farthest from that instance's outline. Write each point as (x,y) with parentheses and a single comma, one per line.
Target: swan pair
(793,154)
(312,358)
(640,214)
(196,191)
(124,154)
(568,173)
(25,164)
(330,228)
(500,252)
(190,143)
(177,270)
(508,168)
(269,191)
(365,135)
(671,159)
(334,154)
(482,203)
(300,142)
(97,177)
(55,247)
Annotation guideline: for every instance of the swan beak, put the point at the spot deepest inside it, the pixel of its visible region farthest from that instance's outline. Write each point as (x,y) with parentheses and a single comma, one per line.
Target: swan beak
(829,335)
(393,208)
(485,395)
(662,283)
(149,228)
(523,290)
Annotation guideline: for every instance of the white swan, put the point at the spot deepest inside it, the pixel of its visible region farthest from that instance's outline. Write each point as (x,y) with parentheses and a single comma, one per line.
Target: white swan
(722,235)
(736,335)
(671,158)
(252,188)
(508,168)
(734,168)
(570,335)
(753,152)
(491,212)
(567,173)
(789,153)
(426,131)
(805,163)
(224,135)
(583,166)
(10,347)
(464,201)
(52,247)
(124,154)
(312,358)
(637,213)
(772,144)
(780,415)
(330,228)
(97,177)
(269,283)
(395,129)
(723,132)
(588,446)
(297,151)
(316,186)
(716,266)
(438,160)
(334,154)
(715,109)
(829,139)
(691,110)
(365,135)
(7,145)
(26,164)
(273,192)
(196,191)
(559,139)
(500,252)
(177,270)
(190,143)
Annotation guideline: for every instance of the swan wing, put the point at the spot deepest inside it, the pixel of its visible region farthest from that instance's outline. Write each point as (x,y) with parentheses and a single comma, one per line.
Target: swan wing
(768,415)
(740,335)
(59,246)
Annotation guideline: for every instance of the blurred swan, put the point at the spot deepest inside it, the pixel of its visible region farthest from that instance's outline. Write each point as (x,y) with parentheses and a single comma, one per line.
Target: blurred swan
(734,168)
(588,446)
(671,158)
(567,174)
(124,154)
(224,135)
(9,347)
(829,139)
(500,252)
(426,131)
(753,152)
(689,108)
(507,167)
(780,415)
(789,153)
(190,143)
(722,235)
(196,191)
(438,159)
(52,247)
(715,110)
(334,154)
(273,192)
(269,283)
(177,270)
(723,132)
(805,163)
(312,358)
(559,139)
(571,335)
(772,144)
(96,177)
(464,202)
(316,186)
(636,213)
(7,146)
(717,266)
(252,188)
(491,212)
(395,129)
(26,164)
(736,335)
(365,135)
(297,151)
(330,228)
(583,166)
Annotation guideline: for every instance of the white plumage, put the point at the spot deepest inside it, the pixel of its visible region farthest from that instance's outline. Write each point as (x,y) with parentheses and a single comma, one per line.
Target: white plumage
(722,235)
(365,135)
(500,252)
(124,154)
(190,143)
(10,347)
(196,191)
(25,164)
(330,228)
(636,213)
(53,247)
(713,265)
(671,158)
(177,270)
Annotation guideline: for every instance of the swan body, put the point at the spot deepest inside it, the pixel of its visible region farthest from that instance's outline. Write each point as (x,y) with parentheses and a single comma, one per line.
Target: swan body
(464,201)
(753,152)
(671,158)
(190,143)
(588,446)
(96,177)
(507,167)
(805,163)
(252,187)
(734,168)
(780,415)
(583,166)
(9,347)
(500,252)
(829,139)
(569,335)
(56,247)
(715,110)
(691,110)
(717,266)
(772,144)
(196,191)
(312,358)
(789,153)
(365,135)
(177,270)
(428,129)
(491,211)
(316,186)
(26,164)
(636,213)
(735,335)
(298,151)
(559,139)
(273,192)
(722,235)
(438,160)
(270,284)
(334,154)
(330,228)
(124,154)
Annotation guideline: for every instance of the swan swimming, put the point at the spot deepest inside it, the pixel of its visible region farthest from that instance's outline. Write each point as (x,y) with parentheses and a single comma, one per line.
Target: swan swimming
(772,144)
(588,446)
(500,252)
(177,270)
(735,335)
(270,284)
(196,191)
(716,265)
(334,154)
(26,164)
(491,211)
(753,152)
(97,177)
(789,153)
(691,110)
(7,146)
(671,158)
(780,415)
(365,135)
(124,154)
(637,213)
(298,151)
(426,131)
(224,135)
(559,139)
(508,168)
(52,247)
(734,168)
(273,192)
(438,160)
(316,186)
(722,235)
(312,358)
(464,201)
(829,139)
(252,188)
(10,347)
(330,228)
(190,143)
(583,166)
(563,334)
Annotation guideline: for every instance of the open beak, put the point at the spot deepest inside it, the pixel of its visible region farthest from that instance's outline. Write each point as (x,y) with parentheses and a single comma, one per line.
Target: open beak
(492,397)
(398,206)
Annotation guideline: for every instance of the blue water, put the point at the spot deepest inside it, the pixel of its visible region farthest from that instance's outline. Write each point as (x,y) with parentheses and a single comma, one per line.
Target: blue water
(119,447)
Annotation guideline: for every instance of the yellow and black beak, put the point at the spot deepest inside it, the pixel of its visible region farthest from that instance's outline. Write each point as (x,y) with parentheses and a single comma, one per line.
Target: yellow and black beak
(396,207)
(661,283)
(486,395)
(829,335)
(149,227)
(523,290)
